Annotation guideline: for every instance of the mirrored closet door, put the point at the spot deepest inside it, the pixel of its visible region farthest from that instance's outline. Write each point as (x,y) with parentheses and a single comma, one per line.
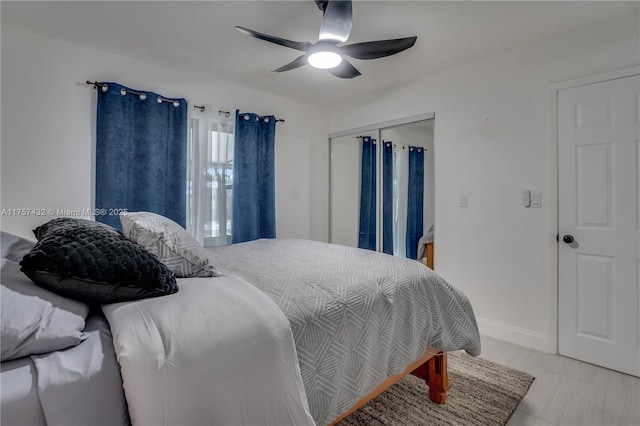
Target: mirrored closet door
(382,187)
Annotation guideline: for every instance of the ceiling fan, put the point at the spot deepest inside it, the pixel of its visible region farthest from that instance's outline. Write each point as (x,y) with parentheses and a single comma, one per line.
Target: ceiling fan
(327,53)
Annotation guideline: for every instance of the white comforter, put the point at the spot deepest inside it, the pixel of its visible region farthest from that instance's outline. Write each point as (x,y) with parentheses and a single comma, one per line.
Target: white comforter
(217,352)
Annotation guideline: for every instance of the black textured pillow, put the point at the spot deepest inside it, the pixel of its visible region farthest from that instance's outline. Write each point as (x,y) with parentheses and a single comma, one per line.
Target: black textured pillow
(93,262)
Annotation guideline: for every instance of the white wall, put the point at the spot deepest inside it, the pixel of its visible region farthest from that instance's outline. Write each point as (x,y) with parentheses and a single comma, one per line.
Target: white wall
(493,137)
(48,128)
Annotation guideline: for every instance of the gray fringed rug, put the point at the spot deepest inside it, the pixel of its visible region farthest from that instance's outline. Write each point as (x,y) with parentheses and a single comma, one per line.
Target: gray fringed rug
(482,393)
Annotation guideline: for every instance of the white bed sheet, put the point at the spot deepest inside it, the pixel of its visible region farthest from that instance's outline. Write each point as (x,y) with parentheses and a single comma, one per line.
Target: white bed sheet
(81,385)
(217,352)
(19,394)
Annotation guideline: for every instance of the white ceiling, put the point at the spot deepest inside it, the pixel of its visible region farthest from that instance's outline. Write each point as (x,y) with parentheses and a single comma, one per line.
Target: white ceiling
(200,35)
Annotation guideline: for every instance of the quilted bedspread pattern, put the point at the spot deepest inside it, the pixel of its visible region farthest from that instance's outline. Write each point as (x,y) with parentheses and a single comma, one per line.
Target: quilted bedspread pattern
(357,316)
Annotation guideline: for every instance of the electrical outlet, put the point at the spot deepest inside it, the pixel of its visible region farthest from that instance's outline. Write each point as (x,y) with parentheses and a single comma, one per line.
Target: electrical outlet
(464,200)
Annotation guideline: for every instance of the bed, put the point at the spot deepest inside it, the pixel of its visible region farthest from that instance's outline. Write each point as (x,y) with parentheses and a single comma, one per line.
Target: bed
(358,317)
(288,332)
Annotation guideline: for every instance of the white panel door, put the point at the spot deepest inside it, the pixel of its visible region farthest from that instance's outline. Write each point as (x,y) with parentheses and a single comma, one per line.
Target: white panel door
(599,222)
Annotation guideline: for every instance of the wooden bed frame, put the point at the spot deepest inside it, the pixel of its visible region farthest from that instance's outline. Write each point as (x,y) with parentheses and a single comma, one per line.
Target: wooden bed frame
(432,367)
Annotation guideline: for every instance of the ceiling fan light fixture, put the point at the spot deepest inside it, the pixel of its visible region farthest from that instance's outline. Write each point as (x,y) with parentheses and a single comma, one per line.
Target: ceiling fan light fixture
(325,54)
(324,59)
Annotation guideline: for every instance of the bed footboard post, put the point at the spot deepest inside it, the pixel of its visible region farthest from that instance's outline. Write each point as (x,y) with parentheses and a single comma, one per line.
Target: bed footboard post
(438,380)
(434,372)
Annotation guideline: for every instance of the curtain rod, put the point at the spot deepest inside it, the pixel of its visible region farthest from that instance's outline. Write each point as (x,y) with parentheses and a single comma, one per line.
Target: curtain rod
(96,84)
(202,108)
(261,117)
(419,148)
(142,95)
(394,145)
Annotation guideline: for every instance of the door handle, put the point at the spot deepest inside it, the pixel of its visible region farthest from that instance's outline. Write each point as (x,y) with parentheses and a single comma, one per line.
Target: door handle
(568,239)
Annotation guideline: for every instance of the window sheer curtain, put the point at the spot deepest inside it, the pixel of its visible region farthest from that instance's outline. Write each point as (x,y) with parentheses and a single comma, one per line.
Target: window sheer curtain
(407,171)
(401,199)
(141,153)
(210,174)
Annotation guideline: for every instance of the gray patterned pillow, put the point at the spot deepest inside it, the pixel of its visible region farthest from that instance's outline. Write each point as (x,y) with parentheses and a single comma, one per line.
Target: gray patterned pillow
(170,242)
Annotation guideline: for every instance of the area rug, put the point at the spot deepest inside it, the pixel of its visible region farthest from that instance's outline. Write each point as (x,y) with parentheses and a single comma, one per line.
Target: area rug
(482,393)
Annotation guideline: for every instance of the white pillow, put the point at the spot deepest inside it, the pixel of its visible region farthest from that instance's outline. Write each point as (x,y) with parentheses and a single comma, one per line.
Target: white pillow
(170,242)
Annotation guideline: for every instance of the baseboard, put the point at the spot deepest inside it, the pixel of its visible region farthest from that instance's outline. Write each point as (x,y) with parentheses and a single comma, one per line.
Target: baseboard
(519,336)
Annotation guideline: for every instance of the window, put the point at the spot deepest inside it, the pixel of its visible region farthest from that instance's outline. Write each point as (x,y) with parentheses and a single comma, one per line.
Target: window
(210,179)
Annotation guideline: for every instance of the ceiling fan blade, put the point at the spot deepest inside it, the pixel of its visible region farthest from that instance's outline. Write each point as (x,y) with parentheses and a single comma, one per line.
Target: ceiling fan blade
(296,63)
(337,20)
(322,4)
(344,70)
(378,49)
(297,45)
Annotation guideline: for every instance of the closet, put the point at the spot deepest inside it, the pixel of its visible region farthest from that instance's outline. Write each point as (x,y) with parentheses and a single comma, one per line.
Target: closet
(382,192)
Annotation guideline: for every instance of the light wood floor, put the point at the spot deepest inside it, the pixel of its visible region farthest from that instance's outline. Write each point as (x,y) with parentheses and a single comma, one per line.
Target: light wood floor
(566,391)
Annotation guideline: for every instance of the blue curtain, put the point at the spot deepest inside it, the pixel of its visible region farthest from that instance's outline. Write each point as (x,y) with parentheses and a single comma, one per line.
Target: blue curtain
(387,197)
(367,229)
(141,154)
(254,200)
(415,202)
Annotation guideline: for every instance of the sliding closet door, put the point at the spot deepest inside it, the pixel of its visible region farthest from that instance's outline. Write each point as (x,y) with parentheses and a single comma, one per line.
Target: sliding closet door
(346,194)
(371,204)
(412,198)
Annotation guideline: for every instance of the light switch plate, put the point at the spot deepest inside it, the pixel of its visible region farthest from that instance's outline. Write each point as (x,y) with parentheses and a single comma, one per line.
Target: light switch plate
(526,198)
(464,200)
(536,200)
